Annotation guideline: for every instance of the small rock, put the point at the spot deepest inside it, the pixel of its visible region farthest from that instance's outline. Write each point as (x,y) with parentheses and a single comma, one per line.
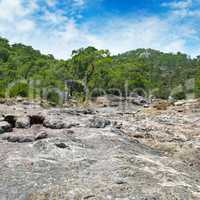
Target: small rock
(70,125)
(19,99)
(5,127)
(119,181)
(23,122)
(102,101)
(89,196)
(61,145)
(79,111)
(179,103)
(138,100)
(70,132)
(146,105)
(27,103)
(117,125)
(138,136)
(41,135)
(97,122)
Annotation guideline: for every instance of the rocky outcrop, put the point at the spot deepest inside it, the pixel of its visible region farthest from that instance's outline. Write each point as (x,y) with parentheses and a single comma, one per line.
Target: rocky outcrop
(135,153)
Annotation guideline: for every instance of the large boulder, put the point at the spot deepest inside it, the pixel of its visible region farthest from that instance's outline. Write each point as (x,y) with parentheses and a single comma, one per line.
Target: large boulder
(36,118)
(11,119)
(53,123)
(25,137)
(5,127)
(23,122)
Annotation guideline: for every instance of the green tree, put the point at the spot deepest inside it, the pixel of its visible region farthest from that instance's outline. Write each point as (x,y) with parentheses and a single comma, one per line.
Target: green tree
(86,61)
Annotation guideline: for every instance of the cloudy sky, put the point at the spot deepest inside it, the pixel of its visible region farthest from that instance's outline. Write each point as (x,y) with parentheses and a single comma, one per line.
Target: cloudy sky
(59,26)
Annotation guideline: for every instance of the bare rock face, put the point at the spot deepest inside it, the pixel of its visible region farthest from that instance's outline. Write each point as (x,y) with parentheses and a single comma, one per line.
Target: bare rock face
(5,127)
(144,154)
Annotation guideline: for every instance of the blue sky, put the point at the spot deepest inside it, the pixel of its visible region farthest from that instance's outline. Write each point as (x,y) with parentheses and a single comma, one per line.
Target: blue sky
(59,26)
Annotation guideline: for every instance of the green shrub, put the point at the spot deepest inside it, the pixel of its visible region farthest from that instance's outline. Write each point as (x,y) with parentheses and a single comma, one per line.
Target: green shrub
(54,98)
(19,89)
(178,93)
(4,54)
(161,93)
(2,93)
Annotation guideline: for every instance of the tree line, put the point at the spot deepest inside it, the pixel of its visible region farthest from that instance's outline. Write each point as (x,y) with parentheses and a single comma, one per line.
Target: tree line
(26,72)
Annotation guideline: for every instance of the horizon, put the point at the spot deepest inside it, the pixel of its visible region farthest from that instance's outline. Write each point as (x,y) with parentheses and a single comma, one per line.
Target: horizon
(59,27)
(70,57)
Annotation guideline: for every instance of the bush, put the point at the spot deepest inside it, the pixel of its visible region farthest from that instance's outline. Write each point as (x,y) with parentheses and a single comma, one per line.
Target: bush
(179,96)
(19,89)
(178,93)
(4,54)
(160,93)
(54,97)
(2,93)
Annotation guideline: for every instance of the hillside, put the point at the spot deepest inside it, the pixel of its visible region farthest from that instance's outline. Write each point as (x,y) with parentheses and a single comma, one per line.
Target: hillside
(28,73)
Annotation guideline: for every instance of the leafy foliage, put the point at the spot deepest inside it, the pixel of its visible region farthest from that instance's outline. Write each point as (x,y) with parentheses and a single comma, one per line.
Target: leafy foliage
(145,71)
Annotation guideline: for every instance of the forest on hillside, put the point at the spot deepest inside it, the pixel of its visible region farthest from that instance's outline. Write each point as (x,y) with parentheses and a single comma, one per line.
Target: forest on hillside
(28,73)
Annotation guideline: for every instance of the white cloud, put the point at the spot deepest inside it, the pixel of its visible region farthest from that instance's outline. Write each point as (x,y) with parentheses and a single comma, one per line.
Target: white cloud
(79,2)
(175,46)
(119,35)
(25,26)
(181,4)
(56,33)
(186,13)
(56,18)
(128,34)
(15,17)
(184,8)
(10,9)
(51,3)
